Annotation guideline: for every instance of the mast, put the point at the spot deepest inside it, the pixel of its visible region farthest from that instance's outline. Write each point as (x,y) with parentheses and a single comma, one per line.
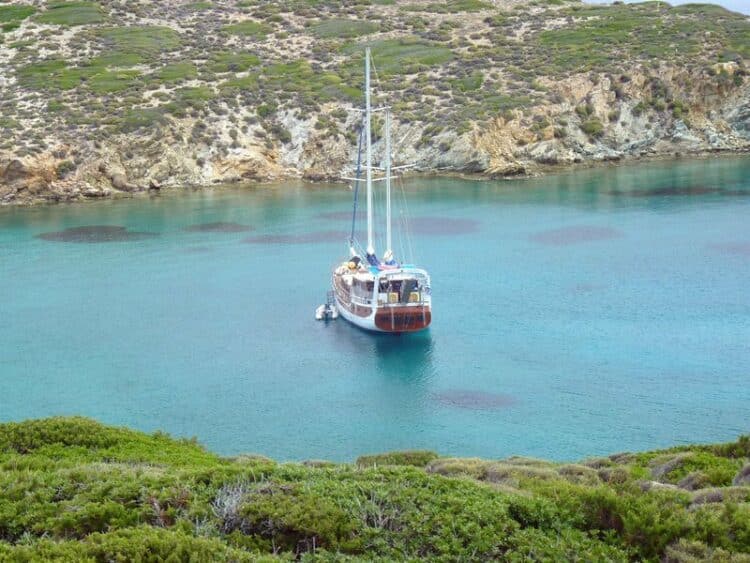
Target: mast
(388,247)
(368,167)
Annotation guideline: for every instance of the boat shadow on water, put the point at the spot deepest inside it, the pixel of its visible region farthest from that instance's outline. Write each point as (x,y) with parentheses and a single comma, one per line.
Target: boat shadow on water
(405,357)
(402,357)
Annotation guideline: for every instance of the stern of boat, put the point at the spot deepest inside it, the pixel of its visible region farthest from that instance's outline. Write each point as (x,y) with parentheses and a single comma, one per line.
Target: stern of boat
(403,319)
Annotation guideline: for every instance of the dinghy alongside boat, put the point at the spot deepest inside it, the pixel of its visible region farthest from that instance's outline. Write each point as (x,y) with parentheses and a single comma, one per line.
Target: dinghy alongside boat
(327,311)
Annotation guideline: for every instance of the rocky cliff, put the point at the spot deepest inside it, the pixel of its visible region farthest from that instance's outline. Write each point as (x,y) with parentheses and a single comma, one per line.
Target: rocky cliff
(114,97)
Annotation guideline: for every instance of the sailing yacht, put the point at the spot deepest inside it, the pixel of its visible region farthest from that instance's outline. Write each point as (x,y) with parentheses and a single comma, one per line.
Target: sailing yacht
(379,294)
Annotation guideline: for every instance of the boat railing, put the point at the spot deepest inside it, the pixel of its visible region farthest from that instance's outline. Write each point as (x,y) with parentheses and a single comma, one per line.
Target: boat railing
(360,300)
(392,299)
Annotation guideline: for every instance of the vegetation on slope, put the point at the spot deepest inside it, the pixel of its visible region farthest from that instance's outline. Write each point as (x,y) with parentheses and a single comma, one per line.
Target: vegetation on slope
(111,63)
(73,489)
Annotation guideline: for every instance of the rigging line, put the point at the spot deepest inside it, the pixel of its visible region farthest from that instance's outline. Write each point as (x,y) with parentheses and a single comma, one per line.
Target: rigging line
(385,97)
(402,249)
(377,202)
(356,184)
(407,228)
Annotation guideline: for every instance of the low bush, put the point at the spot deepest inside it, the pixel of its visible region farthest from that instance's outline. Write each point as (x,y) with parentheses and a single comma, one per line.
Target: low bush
(415,458)
(73,489)
(72,13)
(593,128)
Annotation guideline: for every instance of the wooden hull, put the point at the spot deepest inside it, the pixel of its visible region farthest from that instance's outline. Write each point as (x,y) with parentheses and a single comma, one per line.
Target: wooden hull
(403,319)
(385,319)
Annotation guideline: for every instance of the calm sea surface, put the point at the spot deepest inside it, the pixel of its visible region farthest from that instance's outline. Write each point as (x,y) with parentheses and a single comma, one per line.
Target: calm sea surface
(574,315)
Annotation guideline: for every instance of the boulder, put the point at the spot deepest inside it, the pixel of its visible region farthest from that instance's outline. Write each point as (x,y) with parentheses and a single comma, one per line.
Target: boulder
(92,192)
(509,169)
(743,477)
(15,171)
(682,134)
(694,481)
(739,120)
(120,182)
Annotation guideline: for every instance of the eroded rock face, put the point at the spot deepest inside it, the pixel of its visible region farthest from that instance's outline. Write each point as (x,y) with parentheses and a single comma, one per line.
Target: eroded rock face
(29,179)
(739,120)
(743,477)
(518,142)
(14,171)
(120,182)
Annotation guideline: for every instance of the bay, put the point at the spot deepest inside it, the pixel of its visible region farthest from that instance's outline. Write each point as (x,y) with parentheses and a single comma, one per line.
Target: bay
(576,314)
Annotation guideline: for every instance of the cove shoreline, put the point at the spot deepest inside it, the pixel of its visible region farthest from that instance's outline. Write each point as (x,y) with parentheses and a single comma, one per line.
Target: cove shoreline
(540,171)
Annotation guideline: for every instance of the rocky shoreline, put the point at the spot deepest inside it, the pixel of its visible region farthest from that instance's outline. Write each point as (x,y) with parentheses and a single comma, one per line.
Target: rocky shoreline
(86,193)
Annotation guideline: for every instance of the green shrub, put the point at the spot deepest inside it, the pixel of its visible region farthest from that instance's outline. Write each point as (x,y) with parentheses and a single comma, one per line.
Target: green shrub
(450,6)
(64,169)
(585,110)
(8,123)
(402,56)
(343,28)
(230,61)
(135,544)
(72,13)
(719,471)
(297,519)
(75,490)
(415,458)
(177,72)
(143,40)
(738,449)
(468,83)
(12,15)
(593,128)
(264,110)
(248,28)
(108,82)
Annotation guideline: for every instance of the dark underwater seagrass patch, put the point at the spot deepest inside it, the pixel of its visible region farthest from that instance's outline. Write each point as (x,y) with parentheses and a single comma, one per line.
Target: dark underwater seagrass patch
(668,191)
(341,215)
(586,287)
(417,225)
(735,248)
(441,226)
(196,249)
(96,234)
(473,400)
(304,238)
(575,235)
(218,227)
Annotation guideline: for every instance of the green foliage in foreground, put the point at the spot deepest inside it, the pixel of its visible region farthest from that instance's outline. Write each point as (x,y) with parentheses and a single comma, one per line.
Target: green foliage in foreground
(73,489)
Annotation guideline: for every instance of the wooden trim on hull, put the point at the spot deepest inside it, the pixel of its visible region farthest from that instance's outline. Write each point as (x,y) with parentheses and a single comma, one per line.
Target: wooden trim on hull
(403,319)
(344,300)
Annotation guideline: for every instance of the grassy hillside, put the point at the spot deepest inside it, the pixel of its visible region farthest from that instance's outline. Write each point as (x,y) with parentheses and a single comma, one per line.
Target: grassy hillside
(225,82)
(111,66)
(72,489)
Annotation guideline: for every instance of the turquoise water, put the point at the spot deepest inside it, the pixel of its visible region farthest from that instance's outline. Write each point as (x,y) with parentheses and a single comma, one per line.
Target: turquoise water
(574,315)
